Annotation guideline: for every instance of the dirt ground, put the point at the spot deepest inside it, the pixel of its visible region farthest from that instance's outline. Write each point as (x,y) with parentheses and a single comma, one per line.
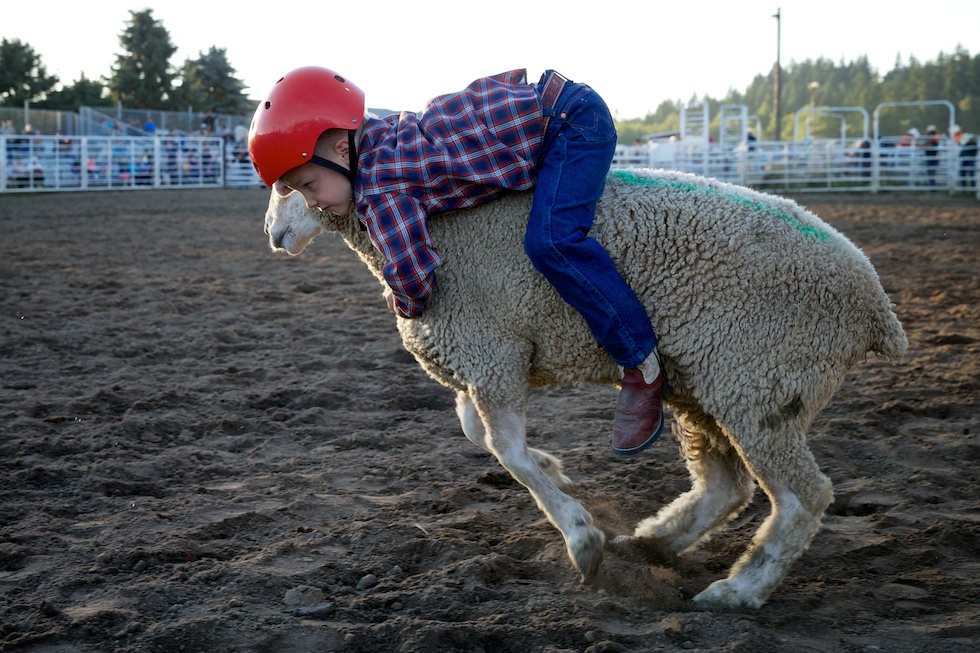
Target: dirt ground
(207,447)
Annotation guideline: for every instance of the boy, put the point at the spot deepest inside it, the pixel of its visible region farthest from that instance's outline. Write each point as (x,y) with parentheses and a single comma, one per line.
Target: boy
(499,134)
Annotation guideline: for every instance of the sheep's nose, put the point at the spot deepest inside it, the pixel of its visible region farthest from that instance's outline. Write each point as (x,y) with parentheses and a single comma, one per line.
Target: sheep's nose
(276,236)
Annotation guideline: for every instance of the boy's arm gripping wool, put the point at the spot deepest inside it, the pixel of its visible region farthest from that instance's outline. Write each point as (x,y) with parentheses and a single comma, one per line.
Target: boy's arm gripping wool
(398,227)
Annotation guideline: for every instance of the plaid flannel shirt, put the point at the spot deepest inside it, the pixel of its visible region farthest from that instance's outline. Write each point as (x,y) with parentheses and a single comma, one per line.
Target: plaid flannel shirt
(465,148)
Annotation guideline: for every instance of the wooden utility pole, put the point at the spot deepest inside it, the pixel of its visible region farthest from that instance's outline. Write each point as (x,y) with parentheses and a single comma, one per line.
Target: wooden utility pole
(776,105)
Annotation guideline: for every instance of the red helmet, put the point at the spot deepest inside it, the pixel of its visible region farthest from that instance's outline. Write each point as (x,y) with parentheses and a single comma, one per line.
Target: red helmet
(302,105)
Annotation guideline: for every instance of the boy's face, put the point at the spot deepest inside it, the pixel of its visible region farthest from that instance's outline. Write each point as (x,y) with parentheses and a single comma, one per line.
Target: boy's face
(321,187)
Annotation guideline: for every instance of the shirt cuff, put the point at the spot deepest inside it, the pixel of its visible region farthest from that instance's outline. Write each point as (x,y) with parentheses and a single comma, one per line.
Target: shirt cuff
(409,309)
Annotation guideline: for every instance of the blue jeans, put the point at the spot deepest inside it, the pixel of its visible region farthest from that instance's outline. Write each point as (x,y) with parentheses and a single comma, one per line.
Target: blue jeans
(577,151)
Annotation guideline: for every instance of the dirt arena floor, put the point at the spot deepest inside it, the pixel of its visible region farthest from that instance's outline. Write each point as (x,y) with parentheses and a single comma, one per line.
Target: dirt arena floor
(207,447)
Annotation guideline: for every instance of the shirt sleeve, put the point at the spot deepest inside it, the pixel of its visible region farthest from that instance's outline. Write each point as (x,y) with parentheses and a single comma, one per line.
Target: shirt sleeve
(397,225)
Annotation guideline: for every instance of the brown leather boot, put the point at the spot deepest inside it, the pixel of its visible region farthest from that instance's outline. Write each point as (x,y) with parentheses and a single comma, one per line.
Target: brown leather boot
(639,413)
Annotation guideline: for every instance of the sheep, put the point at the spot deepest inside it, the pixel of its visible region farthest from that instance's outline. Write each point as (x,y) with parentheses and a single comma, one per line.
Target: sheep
(760,308)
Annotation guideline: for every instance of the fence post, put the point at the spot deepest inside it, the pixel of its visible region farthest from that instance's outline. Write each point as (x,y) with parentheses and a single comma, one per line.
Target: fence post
(950,153)
(83,163)
(157,162)
(875,166)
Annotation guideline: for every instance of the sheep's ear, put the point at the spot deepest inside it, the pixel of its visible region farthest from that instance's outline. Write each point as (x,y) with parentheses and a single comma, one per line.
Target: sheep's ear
(281,188)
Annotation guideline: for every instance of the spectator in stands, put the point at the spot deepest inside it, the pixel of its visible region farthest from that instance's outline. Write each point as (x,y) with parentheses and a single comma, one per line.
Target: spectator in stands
(240,152)
(862,156)
(149,126)
(750,141)
(20,145)
(968,161)
(909,138)
(207,124)
(7,129)
(64,143)
(956,134)
(208,164)
(931,144)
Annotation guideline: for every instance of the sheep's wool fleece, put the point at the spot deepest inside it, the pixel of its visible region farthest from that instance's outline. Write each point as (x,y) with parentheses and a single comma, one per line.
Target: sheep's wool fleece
(756,301)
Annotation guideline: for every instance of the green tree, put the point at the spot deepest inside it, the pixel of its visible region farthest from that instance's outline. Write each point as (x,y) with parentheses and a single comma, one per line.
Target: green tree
(142,76)
(83,93)
(23,78)
(208,83)
(823,83)
(664,119)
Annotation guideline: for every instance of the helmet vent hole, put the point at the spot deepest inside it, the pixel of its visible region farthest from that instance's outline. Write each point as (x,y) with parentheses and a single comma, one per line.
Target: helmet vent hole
(339,79)
(268,105)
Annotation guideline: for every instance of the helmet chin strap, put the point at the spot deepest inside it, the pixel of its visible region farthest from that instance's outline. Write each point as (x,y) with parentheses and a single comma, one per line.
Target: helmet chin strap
(351,173)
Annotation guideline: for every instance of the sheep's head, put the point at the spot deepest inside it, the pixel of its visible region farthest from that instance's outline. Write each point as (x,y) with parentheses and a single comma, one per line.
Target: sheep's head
(290,224)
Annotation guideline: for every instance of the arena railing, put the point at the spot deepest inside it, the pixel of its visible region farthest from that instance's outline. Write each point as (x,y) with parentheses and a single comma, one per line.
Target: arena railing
(31,163)
(815,166)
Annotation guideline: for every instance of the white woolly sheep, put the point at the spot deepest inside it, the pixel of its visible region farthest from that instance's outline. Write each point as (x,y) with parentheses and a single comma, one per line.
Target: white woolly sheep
(760,308)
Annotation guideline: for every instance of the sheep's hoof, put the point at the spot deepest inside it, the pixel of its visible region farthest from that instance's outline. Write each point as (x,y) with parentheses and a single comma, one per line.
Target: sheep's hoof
(587,554)
(724,594)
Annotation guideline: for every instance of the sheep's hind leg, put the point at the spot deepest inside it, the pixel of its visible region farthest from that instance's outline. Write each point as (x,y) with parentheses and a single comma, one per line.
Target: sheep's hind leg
(721,488)
(473,429)
(799,494)
(506,439)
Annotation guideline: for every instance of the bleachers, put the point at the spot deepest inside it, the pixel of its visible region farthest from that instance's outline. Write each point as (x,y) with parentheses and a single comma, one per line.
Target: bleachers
(58,163)
(117,148)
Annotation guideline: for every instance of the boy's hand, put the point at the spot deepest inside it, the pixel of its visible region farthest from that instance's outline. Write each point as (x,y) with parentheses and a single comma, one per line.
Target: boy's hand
(390,300)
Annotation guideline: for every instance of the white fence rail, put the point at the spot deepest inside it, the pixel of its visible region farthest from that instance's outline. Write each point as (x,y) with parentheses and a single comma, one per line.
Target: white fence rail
(813,166)
(53,163)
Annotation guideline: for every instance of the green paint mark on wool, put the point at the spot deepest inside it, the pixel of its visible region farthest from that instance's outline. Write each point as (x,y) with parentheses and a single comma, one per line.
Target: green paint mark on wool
(813,232)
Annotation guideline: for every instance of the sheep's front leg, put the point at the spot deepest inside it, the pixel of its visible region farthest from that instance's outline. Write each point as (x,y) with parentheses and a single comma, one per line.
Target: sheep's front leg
(506,439)
(473,429)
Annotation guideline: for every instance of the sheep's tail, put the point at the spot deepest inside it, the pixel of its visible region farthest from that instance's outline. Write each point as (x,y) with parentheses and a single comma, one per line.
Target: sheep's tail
(890,341)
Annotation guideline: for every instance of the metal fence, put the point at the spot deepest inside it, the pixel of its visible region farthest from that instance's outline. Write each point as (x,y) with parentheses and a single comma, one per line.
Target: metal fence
(813,166)
(31,163)
(59,163)
(126,148)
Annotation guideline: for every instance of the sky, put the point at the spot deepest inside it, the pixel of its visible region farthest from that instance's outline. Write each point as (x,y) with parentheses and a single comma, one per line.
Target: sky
(636,54)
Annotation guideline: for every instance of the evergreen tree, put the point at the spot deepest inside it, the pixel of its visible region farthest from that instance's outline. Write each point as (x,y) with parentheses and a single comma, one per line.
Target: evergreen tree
(23,78)
(83,93)
(822,83)
(208,83)
(142,76)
